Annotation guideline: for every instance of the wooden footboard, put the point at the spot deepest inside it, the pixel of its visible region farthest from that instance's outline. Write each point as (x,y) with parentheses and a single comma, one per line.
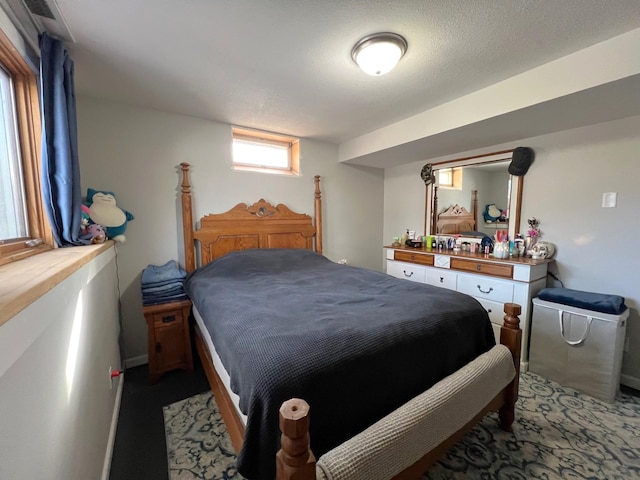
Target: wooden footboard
(295,461)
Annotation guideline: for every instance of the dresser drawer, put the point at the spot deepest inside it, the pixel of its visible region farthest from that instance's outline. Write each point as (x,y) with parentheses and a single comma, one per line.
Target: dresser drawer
(484,268)
(413,257)
(440,278)
(408,271)
(494,309)
(484,287)
(496,315)
(168,318)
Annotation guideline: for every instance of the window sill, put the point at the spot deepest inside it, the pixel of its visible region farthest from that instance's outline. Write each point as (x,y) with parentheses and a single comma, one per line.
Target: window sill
(23,282)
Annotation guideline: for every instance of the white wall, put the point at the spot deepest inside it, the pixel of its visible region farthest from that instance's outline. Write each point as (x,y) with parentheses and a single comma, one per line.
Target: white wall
(56,404)
(136,152)
(597,247)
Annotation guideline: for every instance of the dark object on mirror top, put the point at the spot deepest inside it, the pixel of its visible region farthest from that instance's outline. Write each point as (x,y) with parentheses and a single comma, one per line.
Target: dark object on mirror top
(414,243)
(521,160)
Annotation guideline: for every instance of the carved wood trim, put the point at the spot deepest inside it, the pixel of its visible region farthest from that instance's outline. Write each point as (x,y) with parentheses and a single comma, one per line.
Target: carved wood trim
(260,225)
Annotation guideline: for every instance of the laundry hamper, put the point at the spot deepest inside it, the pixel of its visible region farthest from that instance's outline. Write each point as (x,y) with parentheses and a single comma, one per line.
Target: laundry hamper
(577,339)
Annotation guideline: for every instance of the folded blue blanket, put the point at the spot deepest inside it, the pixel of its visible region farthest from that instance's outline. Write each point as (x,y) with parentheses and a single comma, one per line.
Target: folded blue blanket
(164,288)
(161,273)
(164,299)
(597,302)
(161,284)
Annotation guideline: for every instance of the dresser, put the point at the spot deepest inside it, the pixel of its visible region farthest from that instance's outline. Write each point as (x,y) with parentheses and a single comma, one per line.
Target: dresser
(490,280)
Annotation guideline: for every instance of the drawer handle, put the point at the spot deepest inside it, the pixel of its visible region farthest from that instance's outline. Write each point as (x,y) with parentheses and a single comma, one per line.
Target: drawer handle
(413,257)
(441,279)
(168,319)
(405,273)
(488,291)
(478,267)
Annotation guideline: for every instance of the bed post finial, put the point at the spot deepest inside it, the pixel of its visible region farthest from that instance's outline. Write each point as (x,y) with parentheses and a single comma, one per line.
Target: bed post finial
(434,213)
(187,220)
(317,214)
(511,337)
(474,195)
(294,460)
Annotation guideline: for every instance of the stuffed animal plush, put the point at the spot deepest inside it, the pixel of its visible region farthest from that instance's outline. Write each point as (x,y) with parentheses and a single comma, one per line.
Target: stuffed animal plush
(97,233)
(104,211)
(491,213)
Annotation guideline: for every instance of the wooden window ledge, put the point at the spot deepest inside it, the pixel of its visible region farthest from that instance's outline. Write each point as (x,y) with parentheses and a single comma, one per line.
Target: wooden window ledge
(23,282)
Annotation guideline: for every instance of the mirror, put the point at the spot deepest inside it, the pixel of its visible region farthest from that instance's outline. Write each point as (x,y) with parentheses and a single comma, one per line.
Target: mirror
(474,194)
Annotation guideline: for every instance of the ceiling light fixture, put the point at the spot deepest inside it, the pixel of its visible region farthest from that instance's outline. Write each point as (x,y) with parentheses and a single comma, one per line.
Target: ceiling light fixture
(379,53)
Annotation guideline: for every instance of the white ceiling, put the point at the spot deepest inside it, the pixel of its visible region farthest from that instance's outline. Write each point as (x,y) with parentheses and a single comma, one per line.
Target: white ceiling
(285,66)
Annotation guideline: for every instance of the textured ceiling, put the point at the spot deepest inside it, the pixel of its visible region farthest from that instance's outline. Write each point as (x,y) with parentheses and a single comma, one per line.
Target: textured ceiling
(285,66)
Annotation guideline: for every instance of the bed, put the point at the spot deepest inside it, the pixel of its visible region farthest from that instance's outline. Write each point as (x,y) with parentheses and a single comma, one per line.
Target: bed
(304,335)
(456,219)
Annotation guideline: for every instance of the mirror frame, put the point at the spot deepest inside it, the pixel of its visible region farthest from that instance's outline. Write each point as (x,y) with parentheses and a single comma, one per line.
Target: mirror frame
(515,200)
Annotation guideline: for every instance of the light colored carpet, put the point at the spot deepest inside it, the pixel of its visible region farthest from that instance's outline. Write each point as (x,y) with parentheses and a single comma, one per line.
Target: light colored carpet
(558,434)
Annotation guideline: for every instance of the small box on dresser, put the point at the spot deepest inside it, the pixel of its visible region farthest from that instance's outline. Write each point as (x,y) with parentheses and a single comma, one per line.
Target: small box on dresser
(169,340)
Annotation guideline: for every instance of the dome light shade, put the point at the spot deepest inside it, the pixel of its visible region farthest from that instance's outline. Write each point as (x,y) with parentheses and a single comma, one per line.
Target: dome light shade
(379,53)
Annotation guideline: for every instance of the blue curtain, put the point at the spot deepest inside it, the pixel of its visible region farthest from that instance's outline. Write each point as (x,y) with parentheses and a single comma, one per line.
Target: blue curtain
(60,166)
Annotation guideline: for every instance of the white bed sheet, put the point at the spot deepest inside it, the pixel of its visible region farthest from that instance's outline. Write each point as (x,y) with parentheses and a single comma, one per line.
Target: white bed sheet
(217,363)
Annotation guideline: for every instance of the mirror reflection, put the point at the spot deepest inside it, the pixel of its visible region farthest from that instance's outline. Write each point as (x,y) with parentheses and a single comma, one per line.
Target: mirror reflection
(474,196)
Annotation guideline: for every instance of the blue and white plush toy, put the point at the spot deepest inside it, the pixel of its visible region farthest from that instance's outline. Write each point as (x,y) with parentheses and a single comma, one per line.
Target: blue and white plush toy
(491,213)
(104,211)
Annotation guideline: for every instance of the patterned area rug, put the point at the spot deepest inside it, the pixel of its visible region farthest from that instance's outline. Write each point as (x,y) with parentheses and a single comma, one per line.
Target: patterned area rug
(559,434)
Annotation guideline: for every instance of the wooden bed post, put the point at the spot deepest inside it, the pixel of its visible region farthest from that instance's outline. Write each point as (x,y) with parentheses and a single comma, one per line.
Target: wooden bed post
(294,460)
(187,220)
(317,214)
(511,337)
(474,195)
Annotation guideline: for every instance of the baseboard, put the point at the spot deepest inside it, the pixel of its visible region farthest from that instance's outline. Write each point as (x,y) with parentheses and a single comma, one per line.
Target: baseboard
(630,381)
(136,361)
(106,469)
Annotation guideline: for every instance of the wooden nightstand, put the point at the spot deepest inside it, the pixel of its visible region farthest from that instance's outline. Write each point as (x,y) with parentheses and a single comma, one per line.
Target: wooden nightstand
(169,338)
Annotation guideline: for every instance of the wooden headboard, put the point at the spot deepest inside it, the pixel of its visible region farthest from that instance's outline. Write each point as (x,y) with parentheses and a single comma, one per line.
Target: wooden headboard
(260,225)
(456,219)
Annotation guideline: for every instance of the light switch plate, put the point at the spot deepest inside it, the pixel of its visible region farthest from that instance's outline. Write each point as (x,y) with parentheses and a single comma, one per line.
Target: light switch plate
(609,199)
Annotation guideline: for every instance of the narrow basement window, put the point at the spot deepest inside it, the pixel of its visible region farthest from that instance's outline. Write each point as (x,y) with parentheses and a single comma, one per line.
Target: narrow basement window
(266,152)
(450,178)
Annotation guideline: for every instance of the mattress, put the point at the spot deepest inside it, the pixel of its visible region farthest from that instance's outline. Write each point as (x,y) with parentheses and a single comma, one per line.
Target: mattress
(218,365)
(291,323)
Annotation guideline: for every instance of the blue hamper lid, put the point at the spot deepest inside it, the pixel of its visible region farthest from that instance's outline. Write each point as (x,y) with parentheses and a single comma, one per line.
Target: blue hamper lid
(597,302)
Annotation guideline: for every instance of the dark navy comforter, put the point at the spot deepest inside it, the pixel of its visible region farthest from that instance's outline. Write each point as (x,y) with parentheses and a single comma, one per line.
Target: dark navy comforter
(354,343)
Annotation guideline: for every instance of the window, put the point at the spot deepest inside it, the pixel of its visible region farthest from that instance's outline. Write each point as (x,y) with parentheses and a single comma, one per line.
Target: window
(450,178)
(13,220)
(23,226)
(265,152)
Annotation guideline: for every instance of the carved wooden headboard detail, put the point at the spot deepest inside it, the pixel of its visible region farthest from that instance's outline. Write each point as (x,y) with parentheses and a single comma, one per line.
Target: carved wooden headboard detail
(260,225)
(456,219)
